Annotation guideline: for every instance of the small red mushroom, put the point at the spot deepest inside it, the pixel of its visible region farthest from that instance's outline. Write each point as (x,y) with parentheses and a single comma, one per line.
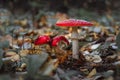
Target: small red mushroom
(74,23)
(44,39)
(58,39)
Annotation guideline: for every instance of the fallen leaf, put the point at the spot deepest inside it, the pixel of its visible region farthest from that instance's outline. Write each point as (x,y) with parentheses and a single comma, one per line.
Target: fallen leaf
(92,73)
(10,53)
(15,57)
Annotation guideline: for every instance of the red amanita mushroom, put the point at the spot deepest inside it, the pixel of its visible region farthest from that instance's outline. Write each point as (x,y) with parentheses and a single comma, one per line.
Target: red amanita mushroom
(74,23)
(59,39)
(44,39)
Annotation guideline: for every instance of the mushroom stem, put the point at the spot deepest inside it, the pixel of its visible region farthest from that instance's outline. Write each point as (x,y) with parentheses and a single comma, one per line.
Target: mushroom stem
(75,44)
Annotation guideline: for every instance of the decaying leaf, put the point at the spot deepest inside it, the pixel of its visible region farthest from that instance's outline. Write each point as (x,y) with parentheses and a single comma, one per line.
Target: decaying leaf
(15,57)
(118,40)
(48,67)
(5,77)
(24,52)
(10,53)
(4,44)
(95,46)
(93,58)
(1,55)
(97,59)
(92,73)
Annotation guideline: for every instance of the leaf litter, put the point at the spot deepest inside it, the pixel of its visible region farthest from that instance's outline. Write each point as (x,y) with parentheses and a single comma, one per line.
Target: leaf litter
(99,51)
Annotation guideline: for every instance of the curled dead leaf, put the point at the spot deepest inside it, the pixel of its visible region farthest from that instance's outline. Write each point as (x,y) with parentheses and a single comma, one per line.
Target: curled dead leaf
(22,67)
(95,46)
(88,58)
(92,73)
(15,58)
(97,59)
(10,53)
(24,52)
(93,58)
(49,67)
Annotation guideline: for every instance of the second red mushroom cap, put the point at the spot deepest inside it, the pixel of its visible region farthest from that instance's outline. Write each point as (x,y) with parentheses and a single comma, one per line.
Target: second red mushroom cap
(44,39)
(57,39)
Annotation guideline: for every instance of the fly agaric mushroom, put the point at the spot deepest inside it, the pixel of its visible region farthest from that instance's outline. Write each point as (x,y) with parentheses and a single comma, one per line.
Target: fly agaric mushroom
(58,40)
(44,39)
(59,44)
(74,23)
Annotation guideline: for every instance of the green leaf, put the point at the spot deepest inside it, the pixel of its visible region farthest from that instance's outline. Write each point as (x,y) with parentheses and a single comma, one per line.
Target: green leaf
(118,41)
(48,67)
(66,75)
(69,74)
(4,44)
(34,62)
(1,56)
(43,77)
(5,77)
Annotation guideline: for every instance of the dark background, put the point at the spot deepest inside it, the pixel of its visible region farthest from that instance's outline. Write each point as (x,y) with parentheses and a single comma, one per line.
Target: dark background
(99,6)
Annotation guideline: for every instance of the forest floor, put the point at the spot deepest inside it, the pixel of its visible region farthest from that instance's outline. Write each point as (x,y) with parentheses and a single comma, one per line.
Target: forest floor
(21,59)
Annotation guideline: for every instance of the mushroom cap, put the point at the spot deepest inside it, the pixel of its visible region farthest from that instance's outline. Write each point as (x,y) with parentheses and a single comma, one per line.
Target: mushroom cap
(44,39)
(57,39)
(73,23)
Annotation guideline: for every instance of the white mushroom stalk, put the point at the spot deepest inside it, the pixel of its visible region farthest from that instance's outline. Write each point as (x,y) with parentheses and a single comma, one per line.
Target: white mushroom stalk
(75,43)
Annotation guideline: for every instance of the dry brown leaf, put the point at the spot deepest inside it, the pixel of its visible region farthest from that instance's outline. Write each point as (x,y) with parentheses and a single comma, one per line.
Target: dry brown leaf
(22,67)
(7,37)
(24,52)
(43,21)
(48,67)
(10,53)
(23,22)
(15,57)
(92,73)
